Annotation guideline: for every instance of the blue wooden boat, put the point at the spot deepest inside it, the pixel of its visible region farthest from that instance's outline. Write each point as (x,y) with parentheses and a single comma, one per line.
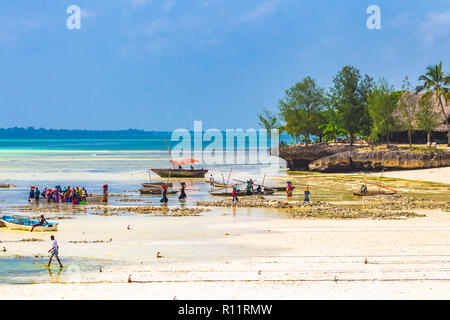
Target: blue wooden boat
(25,224)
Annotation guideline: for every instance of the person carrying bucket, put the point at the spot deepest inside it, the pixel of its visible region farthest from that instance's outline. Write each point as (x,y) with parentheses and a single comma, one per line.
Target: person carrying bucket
(182,193)
(164,198)
(31,195)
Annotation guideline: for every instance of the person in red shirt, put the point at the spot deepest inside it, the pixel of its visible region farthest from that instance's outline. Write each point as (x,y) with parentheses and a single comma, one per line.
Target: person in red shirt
(234,195)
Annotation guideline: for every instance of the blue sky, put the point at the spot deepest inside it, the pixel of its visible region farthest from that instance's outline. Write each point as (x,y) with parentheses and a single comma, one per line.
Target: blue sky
(161,64)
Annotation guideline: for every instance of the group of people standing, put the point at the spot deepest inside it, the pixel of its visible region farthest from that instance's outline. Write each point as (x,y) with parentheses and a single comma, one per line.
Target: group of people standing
(182,195)
(73,195)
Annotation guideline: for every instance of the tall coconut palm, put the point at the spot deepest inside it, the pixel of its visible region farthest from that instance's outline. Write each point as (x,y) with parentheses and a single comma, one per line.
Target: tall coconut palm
(436,82)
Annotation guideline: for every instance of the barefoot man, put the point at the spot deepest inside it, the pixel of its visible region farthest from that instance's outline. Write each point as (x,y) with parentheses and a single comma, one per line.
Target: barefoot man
(54,252)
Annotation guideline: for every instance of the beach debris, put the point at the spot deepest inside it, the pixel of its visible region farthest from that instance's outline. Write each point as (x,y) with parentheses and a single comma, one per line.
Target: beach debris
(85,241)
(50,208)
(154,210)
(131,200)
(316,209)
(256,201)
(159,255)
(120,195)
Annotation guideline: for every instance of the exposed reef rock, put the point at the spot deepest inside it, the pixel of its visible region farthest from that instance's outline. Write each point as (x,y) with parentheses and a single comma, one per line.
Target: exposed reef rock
(299,157)
(391,159)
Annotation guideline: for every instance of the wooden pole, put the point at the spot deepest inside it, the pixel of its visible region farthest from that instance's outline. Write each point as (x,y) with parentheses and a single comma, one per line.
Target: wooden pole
(170,153)
(381,178)
(229,174)
(224,184)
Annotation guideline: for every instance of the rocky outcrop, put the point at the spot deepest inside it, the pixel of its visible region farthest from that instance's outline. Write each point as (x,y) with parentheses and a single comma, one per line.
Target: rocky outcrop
(299,157)
(367,160)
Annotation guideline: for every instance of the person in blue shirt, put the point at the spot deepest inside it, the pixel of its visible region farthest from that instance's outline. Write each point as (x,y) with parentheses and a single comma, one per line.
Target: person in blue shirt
(31,196)
(307,193)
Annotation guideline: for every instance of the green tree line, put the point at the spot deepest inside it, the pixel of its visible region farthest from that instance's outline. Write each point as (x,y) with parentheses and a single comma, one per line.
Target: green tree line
(358,106)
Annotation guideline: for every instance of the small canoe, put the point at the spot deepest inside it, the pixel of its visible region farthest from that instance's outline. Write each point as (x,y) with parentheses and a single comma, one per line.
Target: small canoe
(153,185)
(279,189)
(241,193)
(221,185)
(7,185)
(156,191)
(25,224)
(180,173)
(373,193)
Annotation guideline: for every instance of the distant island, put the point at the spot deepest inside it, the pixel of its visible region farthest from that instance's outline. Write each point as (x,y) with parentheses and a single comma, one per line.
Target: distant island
(32,133)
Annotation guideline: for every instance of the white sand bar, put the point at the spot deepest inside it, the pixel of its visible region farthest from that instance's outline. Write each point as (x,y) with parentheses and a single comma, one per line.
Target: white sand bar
(232,258)
(440,175)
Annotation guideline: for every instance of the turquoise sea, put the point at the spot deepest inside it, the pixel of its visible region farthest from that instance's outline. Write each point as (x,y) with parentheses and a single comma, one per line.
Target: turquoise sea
(121,163)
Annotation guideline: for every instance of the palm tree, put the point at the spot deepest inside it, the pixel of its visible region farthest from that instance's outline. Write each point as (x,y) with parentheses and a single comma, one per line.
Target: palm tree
(436,82)
(269,120)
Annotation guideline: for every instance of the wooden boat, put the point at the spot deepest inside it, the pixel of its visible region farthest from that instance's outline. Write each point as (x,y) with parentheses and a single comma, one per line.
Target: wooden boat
(156,184)
(278,189)
(181,173)
(7,185)
(25,224)
(373,193)
(95,198)
(221,185)
(241,193)
(156,191)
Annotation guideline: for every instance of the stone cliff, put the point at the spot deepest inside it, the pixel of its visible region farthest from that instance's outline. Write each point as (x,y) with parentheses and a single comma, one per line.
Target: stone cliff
(340,158)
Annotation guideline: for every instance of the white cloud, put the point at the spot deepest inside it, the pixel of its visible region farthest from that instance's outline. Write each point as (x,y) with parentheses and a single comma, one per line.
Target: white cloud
(138,4)
(169,5)
(263,10)
(437,25)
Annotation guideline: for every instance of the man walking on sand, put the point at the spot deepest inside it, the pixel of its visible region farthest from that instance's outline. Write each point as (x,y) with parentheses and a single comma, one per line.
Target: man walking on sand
(54,252)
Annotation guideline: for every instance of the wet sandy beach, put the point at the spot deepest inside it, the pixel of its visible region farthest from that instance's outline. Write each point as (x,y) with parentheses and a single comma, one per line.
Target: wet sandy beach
(228,253)
(273,259)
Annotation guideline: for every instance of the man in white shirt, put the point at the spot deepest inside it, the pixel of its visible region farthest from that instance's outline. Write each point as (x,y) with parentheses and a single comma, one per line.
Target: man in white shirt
(54,252)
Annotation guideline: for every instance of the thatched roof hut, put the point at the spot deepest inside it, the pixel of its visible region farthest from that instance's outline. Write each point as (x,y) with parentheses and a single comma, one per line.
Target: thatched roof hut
(413,99)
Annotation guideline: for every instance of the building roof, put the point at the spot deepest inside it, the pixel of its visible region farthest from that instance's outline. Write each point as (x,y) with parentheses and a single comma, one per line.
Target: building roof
(413,97)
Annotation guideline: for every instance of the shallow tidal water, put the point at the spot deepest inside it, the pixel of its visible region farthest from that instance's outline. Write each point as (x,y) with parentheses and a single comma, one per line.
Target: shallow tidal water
(89,240)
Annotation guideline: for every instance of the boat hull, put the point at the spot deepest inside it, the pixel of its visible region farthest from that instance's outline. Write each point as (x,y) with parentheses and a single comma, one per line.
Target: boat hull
(156,184)
(373,193)
(7,186)
(180,173)
(25,224)
(155,191)
(241,193)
